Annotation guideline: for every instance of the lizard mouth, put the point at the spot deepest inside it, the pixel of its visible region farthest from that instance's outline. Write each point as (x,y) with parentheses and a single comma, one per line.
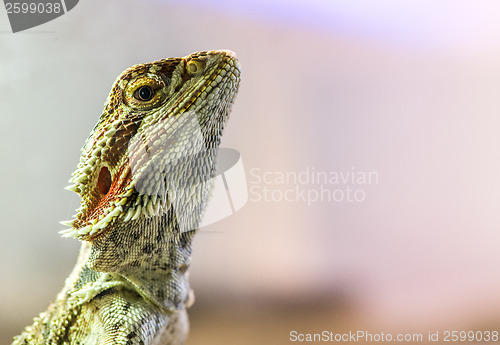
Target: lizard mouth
(229,66)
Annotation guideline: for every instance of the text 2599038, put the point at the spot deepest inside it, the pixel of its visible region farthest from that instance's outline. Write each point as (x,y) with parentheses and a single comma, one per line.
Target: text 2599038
(468,336)
(33,7)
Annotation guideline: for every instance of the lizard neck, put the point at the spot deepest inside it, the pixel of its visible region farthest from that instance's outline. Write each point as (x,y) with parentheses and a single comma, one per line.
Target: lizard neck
(152,260)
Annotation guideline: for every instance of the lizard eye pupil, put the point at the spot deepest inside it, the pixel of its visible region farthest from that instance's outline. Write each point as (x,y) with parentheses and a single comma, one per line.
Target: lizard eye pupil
(144,93)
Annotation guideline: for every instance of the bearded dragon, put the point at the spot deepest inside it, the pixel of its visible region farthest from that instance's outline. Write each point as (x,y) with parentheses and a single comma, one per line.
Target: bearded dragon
(143,179)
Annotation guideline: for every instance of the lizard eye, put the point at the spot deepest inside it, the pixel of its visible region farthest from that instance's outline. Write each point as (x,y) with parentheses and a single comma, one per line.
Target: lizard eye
(144,93)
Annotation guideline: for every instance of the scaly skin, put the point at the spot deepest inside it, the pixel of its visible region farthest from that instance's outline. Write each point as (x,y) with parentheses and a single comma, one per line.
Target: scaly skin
(143,179)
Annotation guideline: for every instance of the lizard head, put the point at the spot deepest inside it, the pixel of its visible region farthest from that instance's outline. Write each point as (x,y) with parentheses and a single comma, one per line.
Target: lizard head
(154,147)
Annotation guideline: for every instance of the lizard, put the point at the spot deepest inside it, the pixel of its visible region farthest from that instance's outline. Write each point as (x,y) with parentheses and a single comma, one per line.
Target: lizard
(143,179)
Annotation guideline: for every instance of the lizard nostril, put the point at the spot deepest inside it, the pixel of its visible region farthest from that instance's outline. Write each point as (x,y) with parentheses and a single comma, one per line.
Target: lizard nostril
(104,180)
(194,67)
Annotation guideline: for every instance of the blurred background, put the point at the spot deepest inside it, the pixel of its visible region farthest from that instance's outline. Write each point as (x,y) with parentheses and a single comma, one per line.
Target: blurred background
(397,103)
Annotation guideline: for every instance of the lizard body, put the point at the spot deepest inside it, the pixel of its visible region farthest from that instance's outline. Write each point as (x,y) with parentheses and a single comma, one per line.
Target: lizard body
(143,180)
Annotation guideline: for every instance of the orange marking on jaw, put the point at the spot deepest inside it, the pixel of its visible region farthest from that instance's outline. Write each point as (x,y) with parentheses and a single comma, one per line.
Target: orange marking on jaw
(109,189)
(104,181)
